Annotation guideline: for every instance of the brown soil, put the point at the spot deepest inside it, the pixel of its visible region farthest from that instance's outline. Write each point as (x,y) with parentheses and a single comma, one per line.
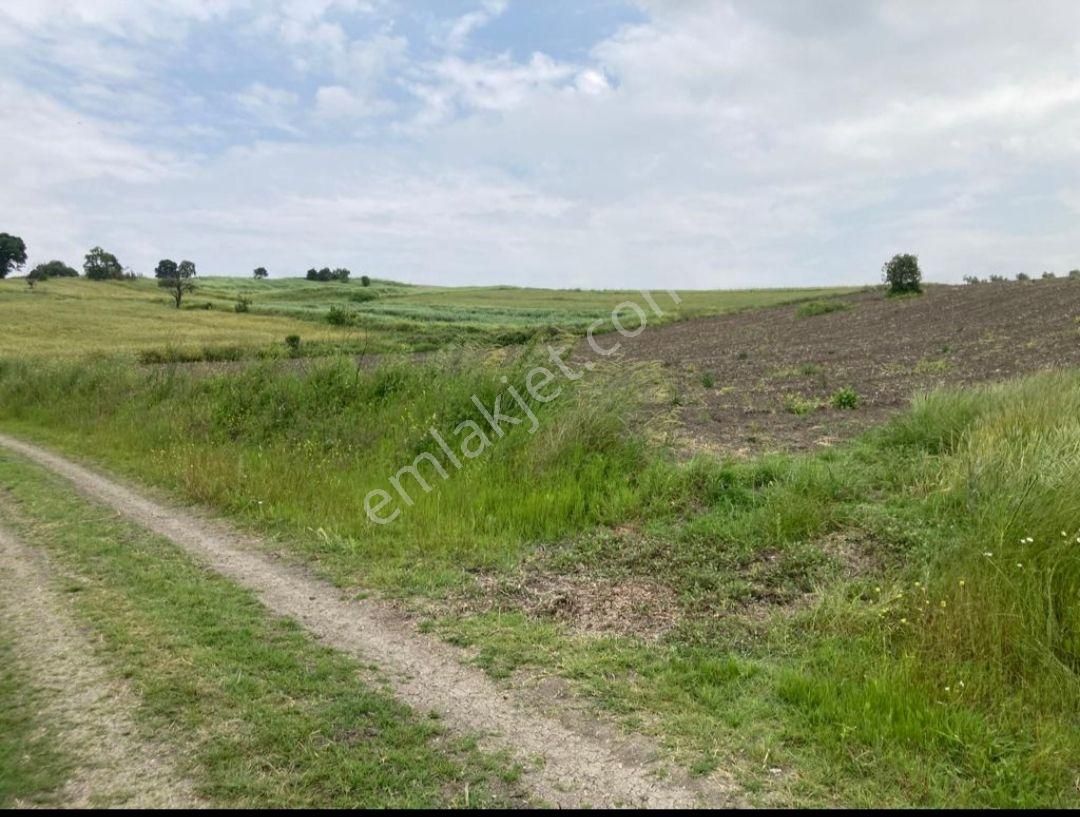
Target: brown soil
(569,759)
(93,713)
(887,349)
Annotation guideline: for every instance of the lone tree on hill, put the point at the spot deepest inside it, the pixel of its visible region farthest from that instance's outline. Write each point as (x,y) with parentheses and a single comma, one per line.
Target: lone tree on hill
(260,273)
(902,274)
(176,278)
(102,266)
(12,254)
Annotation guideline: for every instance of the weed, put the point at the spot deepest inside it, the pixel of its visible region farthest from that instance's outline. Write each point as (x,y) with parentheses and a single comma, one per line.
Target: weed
(846,398)
(799,405)
(708,380)
(813,308)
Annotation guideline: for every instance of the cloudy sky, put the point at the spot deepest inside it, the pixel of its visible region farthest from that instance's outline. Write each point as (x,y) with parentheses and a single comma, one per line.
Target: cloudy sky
(698,143)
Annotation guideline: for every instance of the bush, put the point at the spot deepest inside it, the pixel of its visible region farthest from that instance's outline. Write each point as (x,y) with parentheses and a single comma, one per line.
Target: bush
(363,296)
(242,305)
(902,274)
(846,398)
(365,281)
(1022,276)
(708,380)
(339,317)
(292,343)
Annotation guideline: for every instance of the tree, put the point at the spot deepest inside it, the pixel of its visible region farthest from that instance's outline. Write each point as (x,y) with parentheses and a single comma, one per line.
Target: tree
(902,274)
(12,254)
(53,269)
(340,274)
(260,273)
(102,266)
(365,281)
(178,282)
(166,268)
(1022,276)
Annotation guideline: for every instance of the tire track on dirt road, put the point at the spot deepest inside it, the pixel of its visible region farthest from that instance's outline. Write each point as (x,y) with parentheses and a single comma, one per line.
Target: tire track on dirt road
(568,759)
(93,714)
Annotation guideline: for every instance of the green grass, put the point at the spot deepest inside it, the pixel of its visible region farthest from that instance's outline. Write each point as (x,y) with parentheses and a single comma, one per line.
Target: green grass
(76,318)
(812,309)
(299,451)
(905,667)
(32,766)
(270,718)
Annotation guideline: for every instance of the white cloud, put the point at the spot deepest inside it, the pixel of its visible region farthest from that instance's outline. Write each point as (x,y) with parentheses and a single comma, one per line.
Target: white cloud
(712,144)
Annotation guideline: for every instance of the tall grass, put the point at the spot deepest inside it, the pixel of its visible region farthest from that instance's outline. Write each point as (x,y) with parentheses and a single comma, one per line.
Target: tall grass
(953,665)
(303,449)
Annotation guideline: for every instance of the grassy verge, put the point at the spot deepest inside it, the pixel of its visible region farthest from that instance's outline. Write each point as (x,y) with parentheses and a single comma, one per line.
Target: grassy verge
(895,621)
(268,717)
(31,765)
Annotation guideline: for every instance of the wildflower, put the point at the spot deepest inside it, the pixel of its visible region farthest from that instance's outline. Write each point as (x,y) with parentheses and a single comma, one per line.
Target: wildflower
(877,589)
(962,582)
(988,554)
(1020,565)
(948,689)
(943,604)
(903,621)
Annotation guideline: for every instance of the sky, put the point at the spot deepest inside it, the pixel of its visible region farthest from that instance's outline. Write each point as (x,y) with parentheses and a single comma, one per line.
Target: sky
(564,143)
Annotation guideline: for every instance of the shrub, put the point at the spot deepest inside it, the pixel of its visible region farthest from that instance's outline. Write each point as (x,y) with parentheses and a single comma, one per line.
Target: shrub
(363,296)
(53,269)
(902,274)
(338,316)
(708,380)
(846,398)
(365,281)
(292,343)
(243,304)
(1022,276)
(812,308)
(972,279)
(1074,274)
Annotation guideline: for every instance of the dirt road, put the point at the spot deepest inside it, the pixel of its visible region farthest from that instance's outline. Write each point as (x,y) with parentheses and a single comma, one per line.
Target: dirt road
(569,758)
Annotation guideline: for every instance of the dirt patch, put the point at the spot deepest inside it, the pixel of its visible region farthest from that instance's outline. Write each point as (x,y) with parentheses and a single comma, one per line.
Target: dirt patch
(94,713)
(772,372)
(591,605)
(569,761)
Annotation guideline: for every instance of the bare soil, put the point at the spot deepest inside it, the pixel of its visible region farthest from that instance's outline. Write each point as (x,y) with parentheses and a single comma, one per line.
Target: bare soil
(763,362)
(569,759)
(113,765)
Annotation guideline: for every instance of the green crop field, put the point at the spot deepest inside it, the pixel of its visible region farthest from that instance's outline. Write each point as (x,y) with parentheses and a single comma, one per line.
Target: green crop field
(66,318)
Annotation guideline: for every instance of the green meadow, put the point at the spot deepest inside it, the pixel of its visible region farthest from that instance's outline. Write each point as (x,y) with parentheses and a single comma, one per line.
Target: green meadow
(891,621)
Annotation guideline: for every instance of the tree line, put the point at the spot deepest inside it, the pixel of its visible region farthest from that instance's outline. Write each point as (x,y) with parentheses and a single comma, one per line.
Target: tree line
(99,265)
